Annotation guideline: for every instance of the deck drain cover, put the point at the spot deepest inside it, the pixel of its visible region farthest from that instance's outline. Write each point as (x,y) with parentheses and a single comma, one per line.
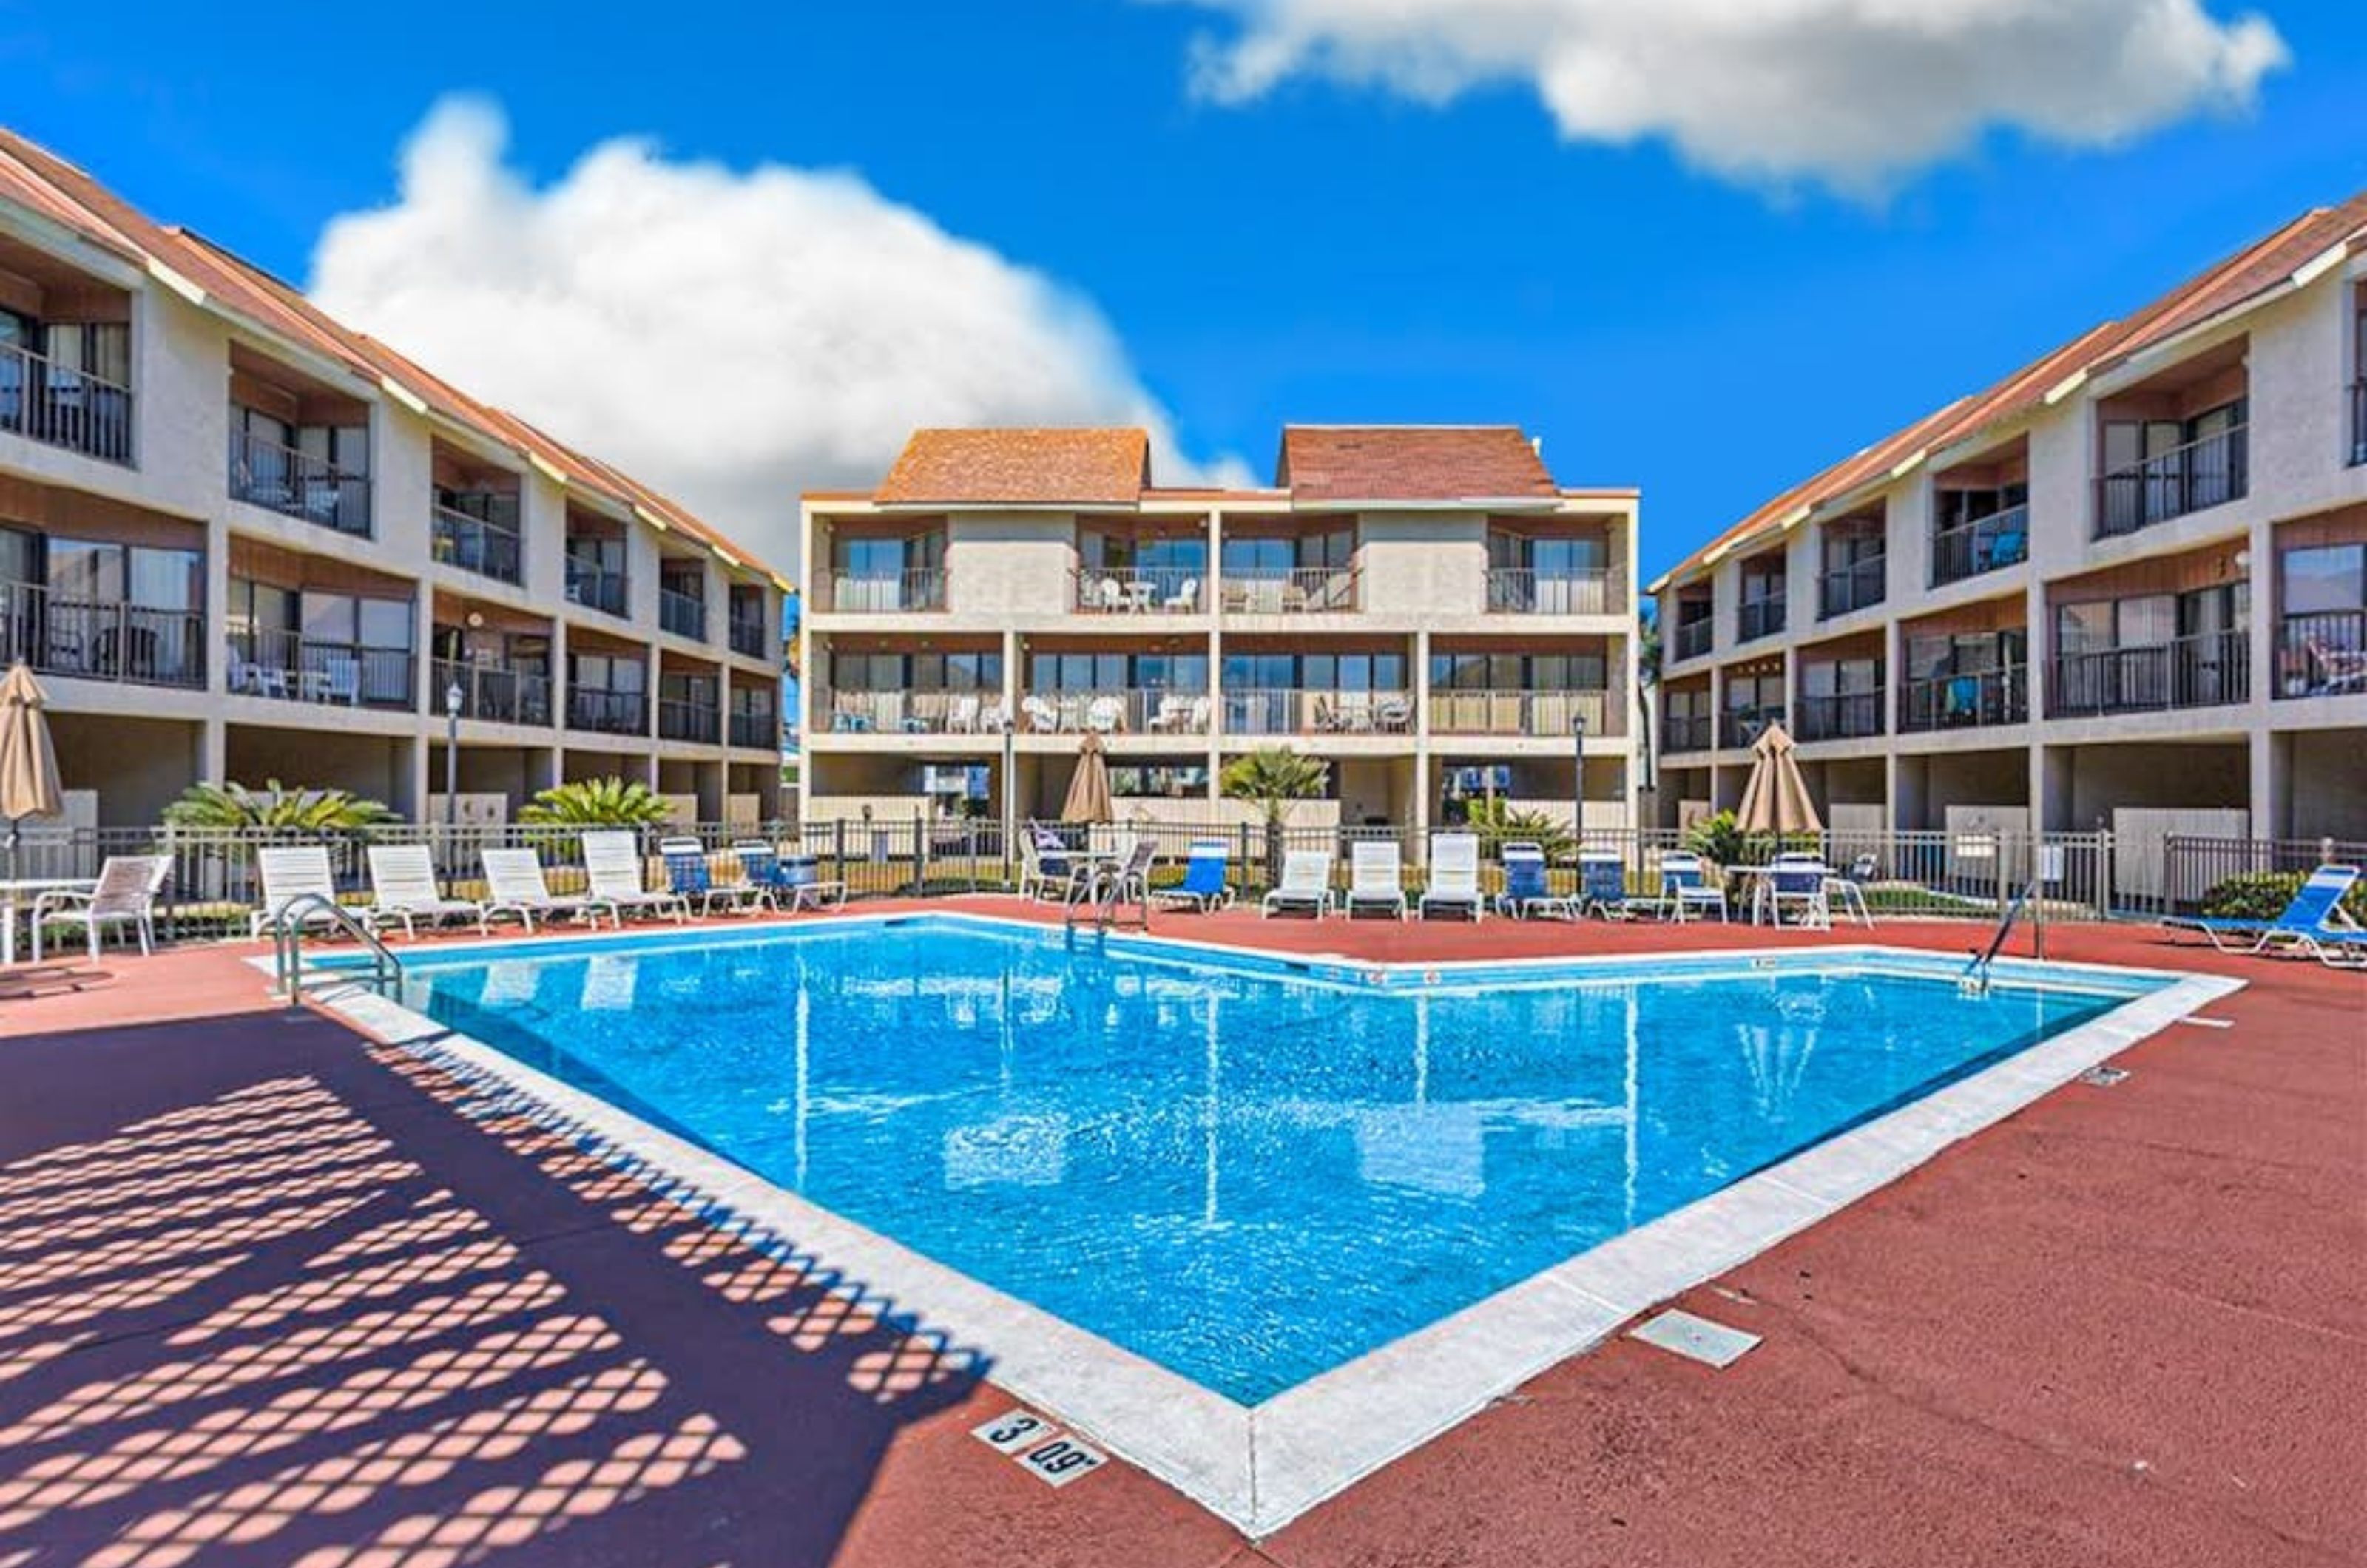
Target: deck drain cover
(1695,1338)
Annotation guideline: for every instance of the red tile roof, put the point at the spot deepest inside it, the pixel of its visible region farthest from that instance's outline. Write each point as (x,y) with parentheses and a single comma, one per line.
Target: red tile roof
(1020,468)
(2245,278)
(34,177)
(1410,463)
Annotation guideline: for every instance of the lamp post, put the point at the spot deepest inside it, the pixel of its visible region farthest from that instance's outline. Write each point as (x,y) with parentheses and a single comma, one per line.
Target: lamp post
(1578,780)
(1010,801)
(452,699)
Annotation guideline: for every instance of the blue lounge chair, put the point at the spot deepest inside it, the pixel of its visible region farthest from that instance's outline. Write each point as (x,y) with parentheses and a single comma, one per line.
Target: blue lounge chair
(2314,922)
(689,879)
(1685,884)
(1526,892)
(1204,887)
(1603,884)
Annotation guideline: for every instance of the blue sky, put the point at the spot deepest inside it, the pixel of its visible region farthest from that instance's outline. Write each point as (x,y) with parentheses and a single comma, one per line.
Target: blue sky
(1328,247)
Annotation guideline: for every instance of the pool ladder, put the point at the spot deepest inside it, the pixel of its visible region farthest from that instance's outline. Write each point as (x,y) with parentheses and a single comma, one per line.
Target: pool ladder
(1974,981)
(287,943)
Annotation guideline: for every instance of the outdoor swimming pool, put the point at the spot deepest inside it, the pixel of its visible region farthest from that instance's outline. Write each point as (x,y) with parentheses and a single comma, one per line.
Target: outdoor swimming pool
(1246,1170)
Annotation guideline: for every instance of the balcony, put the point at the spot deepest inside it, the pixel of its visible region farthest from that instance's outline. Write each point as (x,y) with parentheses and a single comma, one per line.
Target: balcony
(1301,712)
(2170,484)
(756,732)
(1740,727)
(478,545)
(606,712)
(1685,732)
(1984,544)
(1522,590)
(1137,591)
(1548,714)
(1290,590)
(681,719)
(1759,617)
(87,639)
(884,594)
(57,406)
(1133,712)
(282,480)
(1845,716)
(2186,672)
(1695,637)
(2358,421)
(2322,653)
(291,667)
(494,692)
(748,637)
(901,711)
(595,588)
(1971,701)
(1857,586)
(684,614)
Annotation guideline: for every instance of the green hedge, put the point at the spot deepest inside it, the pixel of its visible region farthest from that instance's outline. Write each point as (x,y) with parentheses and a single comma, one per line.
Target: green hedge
(2263,895)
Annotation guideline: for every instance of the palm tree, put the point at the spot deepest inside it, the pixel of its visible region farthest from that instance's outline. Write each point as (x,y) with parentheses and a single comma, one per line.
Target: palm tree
(232,805)
(598,803)
(1274,776)
(1647,681)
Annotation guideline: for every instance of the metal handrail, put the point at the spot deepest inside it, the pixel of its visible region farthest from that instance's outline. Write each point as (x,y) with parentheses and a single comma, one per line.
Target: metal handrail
(1976,973)
(287,940)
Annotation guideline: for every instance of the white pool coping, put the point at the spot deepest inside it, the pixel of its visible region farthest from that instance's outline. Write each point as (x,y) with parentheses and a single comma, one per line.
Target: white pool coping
(1259,1467)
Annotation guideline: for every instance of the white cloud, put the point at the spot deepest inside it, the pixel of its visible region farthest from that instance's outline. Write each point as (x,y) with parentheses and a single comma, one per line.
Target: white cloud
(1851,93)
(731,337)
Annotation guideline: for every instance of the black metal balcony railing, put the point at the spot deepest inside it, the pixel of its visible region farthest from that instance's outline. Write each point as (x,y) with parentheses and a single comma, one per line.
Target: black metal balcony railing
(478,545)
(2170,484)
(680,719)
(1685,732)
(595,588)
(291,667)
(2322,653)
(1856,586)
(1522,591)
(1741,727)
(1965,701)
(886,592)
(1139,590)
(606,712)
(492,692)
(2187,672)
(748,637)
(684,614)
(1845,716)
(1760,617)
(281,478)
(100,641)
(760,731)
(1695,637)
(2358,421)
(55,405)
(1984,544)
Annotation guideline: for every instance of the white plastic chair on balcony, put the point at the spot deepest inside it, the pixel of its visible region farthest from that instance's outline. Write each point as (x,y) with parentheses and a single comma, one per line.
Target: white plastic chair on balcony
(995,717)
(125,895)
(1185,597)
(1104,716)
(1041,716)
(288,873)
(1174,715)
(961,718)
(1110,593)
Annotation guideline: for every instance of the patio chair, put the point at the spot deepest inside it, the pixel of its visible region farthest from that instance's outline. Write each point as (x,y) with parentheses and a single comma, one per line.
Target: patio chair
(612,860)
(1204,887)
(1129,878)
(994,719)
(1306,885)
(1104,716)
(1526,891)
(692,880)
(403,891)
(1454,876)
(288,873)
(1047,865)
(2311,923)
(788,887)
(1172,715)
(1185,597)
(1041,716)
(1797,885)
(1685,884)
(1603,885)
(1375,878)
(962,718)
(125,895)
(515,886)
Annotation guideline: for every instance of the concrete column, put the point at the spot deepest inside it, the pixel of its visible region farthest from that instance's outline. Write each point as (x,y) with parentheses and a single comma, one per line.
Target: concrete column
(213,749)
(2270,795)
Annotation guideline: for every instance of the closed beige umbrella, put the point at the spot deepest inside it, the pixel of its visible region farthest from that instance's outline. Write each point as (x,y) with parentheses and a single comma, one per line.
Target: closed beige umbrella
(1776,798)
(28,763)
(1089,787)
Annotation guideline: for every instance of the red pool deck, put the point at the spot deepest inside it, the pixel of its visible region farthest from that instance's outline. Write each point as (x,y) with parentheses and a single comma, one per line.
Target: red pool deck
(272,1294)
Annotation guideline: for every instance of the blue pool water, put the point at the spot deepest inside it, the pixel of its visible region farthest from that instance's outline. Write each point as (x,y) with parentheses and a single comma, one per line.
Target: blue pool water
(1245,1173)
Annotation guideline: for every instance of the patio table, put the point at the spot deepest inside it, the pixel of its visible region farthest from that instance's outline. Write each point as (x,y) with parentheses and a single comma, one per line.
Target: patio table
(24,891)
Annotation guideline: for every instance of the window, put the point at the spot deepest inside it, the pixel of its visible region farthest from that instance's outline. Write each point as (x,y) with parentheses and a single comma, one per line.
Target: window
(891,556)
(1551,556)
(1519,673)
(604,672)
(1182,780)
(1142,552)
(2323,578)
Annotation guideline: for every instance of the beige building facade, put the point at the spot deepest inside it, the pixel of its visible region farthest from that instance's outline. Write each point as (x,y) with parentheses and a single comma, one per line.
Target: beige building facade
(2124,588)
(241,542)
(1423,609)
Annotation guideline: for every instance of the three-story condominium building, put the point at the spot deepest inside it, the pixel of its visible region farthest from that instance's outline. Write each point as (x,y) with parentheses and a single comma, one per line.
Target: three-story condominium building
(2126,586)
(1422,608)
(241,541)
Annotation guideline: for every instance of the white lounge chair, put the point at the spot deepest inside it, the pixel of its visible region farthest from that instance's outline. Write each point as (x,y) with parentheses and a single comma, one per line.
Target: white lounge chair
(1454,875)
(514,885)
(403,891)
(290,872)
(1306,885)
(125,895)
(1375,878)
(613,862)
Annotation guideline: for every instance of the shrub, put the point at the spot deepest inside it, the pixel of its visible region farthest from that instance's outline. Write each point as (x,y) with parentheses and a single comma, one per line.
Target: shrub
(1498,824)
(598,803)
(2263,895)
(1275,776)
(273,805)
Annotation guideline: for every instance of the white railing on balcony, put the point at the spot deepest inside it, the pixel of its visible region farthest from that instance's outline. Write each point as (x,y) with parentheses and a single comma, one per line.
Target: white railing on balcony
(1522,591)
(1303,712)
(60,406)
(91,640)
(291,667)
(1137,591)
(281,478)
(899,712)
(1530,713)
(884,594)
(1114,713)
(1289,590)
